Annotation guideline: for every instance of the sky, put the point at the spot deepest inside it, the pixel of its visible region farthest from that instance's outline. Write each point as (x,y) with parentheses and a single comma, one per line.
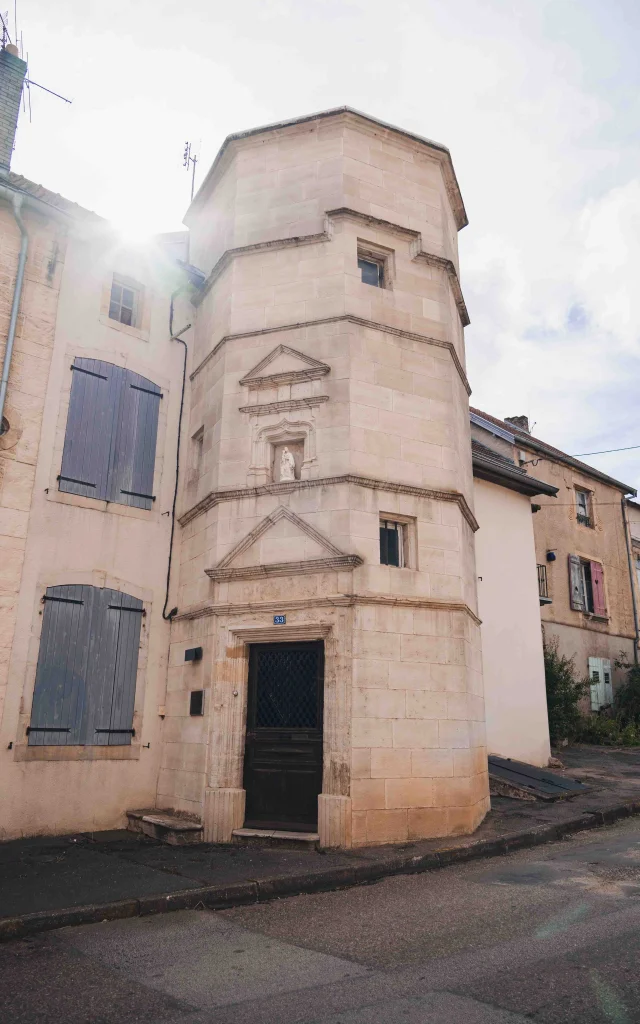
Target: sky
(538,101)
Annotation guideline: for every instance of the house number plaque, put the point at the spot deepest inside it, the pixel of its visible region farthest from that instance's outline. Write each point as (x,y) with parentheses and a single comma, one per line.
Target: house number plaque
(279,620)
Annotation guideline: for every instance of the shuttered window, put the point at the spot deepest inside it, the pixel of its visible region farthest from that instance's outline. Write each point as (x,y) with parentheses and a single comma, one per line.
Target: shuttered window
(586,586)
(87,666)
(601,685)
(110,441)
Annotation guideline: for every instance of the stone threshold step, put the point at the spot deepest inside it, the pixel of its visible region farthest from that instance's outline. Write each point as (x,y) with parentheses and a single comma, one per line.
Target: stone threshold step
(276,837)
(165,826)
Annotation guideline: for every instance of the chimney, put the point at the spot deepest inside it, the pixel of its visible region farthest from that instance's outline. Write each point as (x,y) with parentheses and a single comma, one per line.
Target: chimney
(12,74)
(521,422)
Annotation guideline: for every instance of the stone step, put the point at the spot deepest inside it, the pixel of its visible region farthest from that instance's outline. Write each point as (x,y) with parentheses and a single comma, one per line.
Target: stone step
(277,838)
(170,828)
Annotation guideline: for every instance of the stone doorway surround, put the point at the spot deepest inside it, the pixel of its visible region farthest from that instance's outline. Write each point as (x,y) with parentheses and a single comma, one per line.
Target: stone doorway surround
(224,803)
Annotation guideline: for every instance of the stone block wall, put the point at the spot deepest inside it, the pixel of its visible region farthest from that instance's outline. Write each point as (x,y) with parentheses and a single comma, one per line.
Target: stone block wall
(370,384)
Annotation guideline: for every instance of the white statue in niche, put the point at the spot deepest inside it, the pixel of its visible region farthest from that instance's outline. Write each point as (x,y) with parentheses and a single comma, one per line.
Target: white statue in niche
(287,465)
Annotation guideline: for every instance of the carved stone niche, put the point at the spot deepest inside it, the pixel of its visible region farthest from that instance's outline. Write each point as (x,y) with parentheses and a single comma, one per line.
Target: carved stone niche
(268,443)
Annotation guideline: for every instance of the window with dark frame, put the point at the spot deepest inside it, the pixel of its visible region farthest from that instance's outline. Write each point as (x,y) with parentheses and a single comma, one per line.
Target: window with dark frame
(123,303)
(371,271)
(583,507)
(392,542)
(196,702)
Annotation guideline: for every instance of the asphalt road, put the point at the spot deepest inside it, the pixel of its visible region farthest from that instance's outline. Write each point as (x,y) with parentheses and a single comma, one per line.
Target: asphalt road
(549,935)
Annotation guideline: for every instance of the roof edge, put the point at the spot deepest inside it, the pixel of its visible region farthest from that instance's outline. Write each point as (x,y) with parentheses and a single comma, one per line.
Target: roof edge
(555,455)
(513,479)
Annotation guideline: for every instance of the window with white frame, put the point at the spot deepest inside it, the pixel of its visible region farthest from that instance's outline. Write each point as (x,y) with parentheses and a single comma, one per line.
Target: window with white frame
(125,302)
(583,507)
(371,270)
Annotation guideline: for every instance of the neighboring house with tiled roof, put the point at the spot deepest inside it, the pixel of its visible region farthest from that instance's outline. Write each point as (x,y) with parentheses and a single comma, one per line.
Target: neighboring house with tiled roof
(584,564)
(508,595)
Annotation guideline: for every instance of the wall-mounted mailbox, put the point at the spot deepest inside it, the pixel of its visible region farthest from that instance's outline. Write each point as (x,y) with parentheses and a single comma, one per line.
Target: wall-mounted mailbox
(193,654)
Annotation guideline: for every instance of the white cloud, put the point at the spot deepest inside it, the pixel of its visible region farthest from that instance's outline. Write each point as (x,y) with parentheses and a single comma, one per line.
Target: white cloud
(536,101)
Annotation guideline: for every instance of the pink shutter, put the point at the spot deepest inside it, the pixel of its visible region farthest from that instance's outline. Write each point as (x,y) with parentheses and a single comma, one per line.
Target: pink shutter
(597,582)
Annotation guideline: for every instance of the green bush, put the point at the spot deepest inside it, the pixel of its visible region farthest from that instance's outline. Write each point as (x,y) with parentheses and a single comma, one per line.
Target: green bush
(607,732)
(626,703)
(619,727)
(564,693)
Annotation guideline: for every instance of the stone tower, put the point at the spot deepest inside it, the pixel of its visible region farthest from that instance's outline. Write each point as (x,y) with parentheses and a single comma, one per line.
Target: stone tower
(327,557)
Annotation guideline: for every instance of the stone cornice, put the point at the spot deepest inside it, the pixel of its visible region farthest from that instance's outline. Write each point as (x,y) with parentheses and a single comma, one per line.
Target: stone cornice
(358,321)
(337,601)
(418,252)
(229,255)
(302,567)
(312,369)
(285,405)
(333,561)
(238,493)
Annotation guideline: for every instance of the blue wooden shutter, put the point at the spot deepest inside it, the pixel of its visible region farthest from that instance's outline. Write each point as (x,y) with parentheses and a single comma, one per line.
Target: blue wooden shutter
(95,394)
(61,676)
(134,449)
(87,668)
(113,667)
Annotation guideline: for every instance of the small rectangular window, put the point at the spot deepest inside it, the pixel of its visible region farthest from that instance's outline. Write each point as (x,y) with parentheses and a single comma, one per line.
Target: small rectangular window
(124,303)
(196,702)
(371,271)
(392,543)
(583,507)
(197,449)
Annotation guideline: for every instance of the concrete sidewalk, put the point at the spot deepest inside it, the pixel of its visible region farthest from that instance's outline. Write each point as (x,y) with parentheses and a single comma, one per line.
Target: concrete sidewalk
(51,882)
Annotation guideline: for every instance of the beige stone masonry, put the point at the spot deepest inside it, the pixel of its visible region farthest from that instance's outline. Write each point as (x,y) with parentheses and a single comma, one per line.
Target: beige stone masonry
(368,385)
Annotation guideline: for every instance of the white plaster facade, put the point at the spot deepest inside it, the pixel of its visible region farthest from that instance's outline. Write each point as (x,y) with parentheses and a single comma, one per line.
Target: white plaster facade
(69,539)
(508,603)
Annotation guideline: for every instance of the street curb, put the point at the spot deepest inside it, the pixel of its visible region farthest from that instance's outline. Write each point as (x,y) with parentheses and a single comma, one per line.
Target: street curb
(222,897)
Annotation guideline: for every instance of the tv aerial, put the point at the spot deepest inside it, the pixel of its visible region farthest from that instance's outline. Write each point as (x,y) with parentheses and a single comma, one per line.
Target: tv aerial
(188,159)
(28,81)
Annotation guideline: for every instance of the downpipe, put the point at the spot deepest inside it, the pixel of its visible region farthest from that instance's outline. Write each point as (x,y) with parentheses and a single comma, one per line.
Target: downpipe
(625,523)
(16,199)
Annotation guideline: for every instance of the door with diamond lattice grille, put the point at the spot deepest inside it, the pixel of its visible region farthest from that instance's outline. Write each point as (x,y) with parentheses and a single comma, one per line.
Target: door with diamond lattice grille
(283,755)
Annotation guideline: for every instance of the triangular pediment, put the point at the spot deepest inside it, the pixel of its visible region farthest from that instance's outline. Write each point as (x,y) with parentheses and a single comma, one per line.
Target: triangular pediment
(283,544)
(284,365)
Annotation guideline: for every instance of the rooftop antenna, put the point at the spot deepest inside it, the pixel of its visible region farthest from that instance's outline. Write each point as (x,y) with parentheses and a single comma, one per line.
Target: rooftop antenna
(6,38)
(193,160)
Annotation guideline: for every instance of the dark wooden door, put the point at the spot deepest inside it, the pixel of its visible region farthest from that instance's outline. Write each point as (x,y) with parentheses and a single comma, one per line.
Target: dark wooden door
(283,755)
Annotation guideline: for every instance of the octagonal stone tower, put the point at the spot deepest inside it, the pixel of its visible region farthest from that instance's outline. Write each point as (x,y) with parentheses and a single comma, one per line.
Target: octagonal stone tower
(327,557)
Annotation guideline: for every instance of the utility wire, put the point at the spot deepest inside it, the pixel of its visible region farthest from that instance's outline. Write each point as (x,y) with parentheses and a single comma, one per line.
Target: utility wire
(582,455)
